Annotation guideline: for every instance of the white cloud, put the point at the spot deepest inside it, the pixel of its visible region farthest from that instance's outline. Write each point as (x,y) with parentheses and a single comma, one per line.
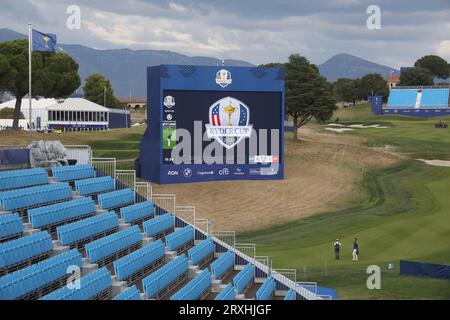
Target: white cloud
(443,49)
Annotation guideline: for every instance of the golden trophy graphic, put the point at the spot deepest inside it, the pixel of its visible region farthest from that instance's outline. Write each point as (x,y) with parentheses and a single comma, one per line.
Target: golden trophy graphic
(46,39)
(229,110)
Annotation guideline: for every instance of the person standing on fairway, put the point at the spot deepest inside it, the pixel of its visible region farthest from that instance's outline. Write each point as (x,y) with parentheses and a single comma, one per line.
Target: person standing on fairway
(337,248)
(355,249)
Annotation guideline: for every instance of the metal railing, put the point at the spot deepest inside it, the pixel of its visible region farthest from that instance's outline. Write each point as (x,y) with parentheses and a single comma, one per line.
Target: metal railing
(125,179)
(104,166)
(164,203)
(203,225)
(186,215)
(143,191)
(228,237)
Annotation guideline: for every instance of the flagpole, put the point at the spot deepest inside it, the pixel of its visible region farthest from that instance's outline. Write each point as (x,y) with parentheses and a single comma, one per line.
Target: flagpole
(30,43)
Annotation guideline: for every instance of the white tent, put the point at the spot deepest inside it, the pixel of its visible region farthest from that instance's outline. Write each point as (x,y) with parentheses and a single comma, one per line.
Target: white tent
(67,114)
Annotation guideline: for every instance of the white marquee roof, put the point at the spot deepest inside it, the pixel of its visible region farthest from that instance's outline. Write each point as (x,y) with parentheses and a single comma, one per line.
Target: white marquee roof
(69,104)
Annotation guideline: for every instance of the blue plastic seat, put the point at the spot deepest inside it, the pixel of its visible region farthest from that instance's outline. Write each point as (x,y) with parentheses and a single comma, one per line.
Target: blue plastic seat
(36,276)
(22,178)
(107,246)
(10,224)
(115,198)
(25,248)
(71,173)
(195,288)
(129,294)
(60,212)
(80,230)
(90,286)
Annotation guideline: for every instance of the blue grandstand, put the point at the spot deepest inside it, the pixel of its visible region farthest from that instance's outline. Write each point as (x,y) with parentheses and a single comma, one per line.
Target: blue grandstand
(124,246)
(419,101)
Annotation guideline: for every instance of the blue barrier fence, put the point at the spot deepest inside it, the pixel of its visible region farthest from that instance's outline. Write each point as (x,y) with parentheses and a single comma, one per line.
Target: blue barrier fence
(425,270)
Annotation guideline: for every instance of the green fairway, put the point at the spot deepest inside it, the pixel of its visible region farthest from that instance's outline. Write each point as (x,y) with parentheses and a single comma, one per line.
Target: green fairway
(406,216)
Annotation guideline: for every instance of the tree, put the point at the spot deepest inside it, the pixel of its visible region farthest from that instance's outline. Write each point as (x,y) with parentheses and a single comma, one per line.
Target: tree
(416,77)
(94,91)
(346,90)
(438,67)
(55,75)
(373,84)
(308,95)
(8,113)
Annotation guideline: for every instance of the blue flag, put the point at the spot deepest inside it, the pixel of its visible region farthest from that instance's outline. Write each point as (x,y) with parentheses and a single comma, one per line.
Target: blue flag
(43,41)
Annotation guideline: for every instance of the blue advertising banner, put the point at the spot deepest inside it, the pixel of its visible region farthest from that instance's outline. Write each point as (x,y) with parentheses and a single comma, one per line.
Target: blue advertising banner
(213,123)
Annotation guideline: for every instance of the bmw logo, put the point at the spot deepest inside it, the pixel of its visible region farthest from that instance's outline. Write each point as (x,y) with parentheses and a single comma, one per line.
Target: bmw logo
(187,173)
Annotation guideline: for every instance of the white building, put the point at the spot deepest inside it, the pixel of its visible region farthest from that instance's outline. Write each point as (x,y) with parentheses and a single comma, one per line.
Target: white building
(71,114)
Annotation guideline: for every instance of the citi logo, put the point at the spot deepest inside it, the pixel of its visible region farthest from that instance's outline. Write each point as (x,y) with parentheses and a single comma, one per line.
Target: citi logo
(224,172)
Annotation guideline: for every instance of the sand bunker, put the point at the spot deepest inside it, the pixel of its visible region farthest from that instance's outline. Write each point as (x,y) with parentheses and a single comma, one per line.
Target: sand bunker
(357,126)
(437,163)
(340,130)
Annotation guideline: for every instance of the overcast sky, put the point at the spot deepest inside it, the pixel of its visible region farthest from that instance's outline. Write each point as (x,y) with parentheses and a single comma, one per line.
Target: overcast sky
(256,31)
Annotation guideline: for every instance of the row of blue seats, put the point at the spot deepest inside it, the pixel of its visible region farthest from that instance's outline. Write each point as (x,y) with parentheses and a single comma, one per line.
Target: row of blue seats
(179,238)
(222,265)
(115,198)
(267,290)
(435,98)
(10,224)
(102,248)
(39,275)
(90,285)
(25,248)
(86,228)
(157,281)
(195,288)
(131,294)
(72,173)
(200,252)
(228,293)
(60,212)
(138,260)
(92,186)
(291,295)
(28,197)
(158,225)
(137,211)
(243,279)
(22,178)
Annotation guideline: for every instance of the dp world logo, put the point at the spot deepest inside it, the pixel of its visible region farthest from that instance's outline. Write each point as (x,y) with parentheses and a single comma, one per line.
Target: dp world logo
(223,78)
(228,122)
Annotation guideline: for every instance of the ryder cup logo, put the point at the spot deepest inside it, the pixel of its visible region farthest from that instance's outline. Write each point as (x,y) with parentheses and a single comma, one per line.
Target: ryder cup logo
(169,101)
(223,78)
(228,122)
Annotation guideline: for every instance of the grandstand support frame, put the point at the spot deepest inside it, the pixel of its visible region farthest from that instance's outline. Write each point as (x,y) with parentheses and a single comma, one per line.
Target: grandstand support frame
(186,214)
(244,253)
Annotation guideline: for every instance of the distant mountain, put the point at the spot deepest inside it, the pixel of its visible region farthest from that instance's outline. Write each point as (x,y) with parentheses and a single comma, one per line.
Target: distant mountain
(124,67)
(127,68)
(347,66)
